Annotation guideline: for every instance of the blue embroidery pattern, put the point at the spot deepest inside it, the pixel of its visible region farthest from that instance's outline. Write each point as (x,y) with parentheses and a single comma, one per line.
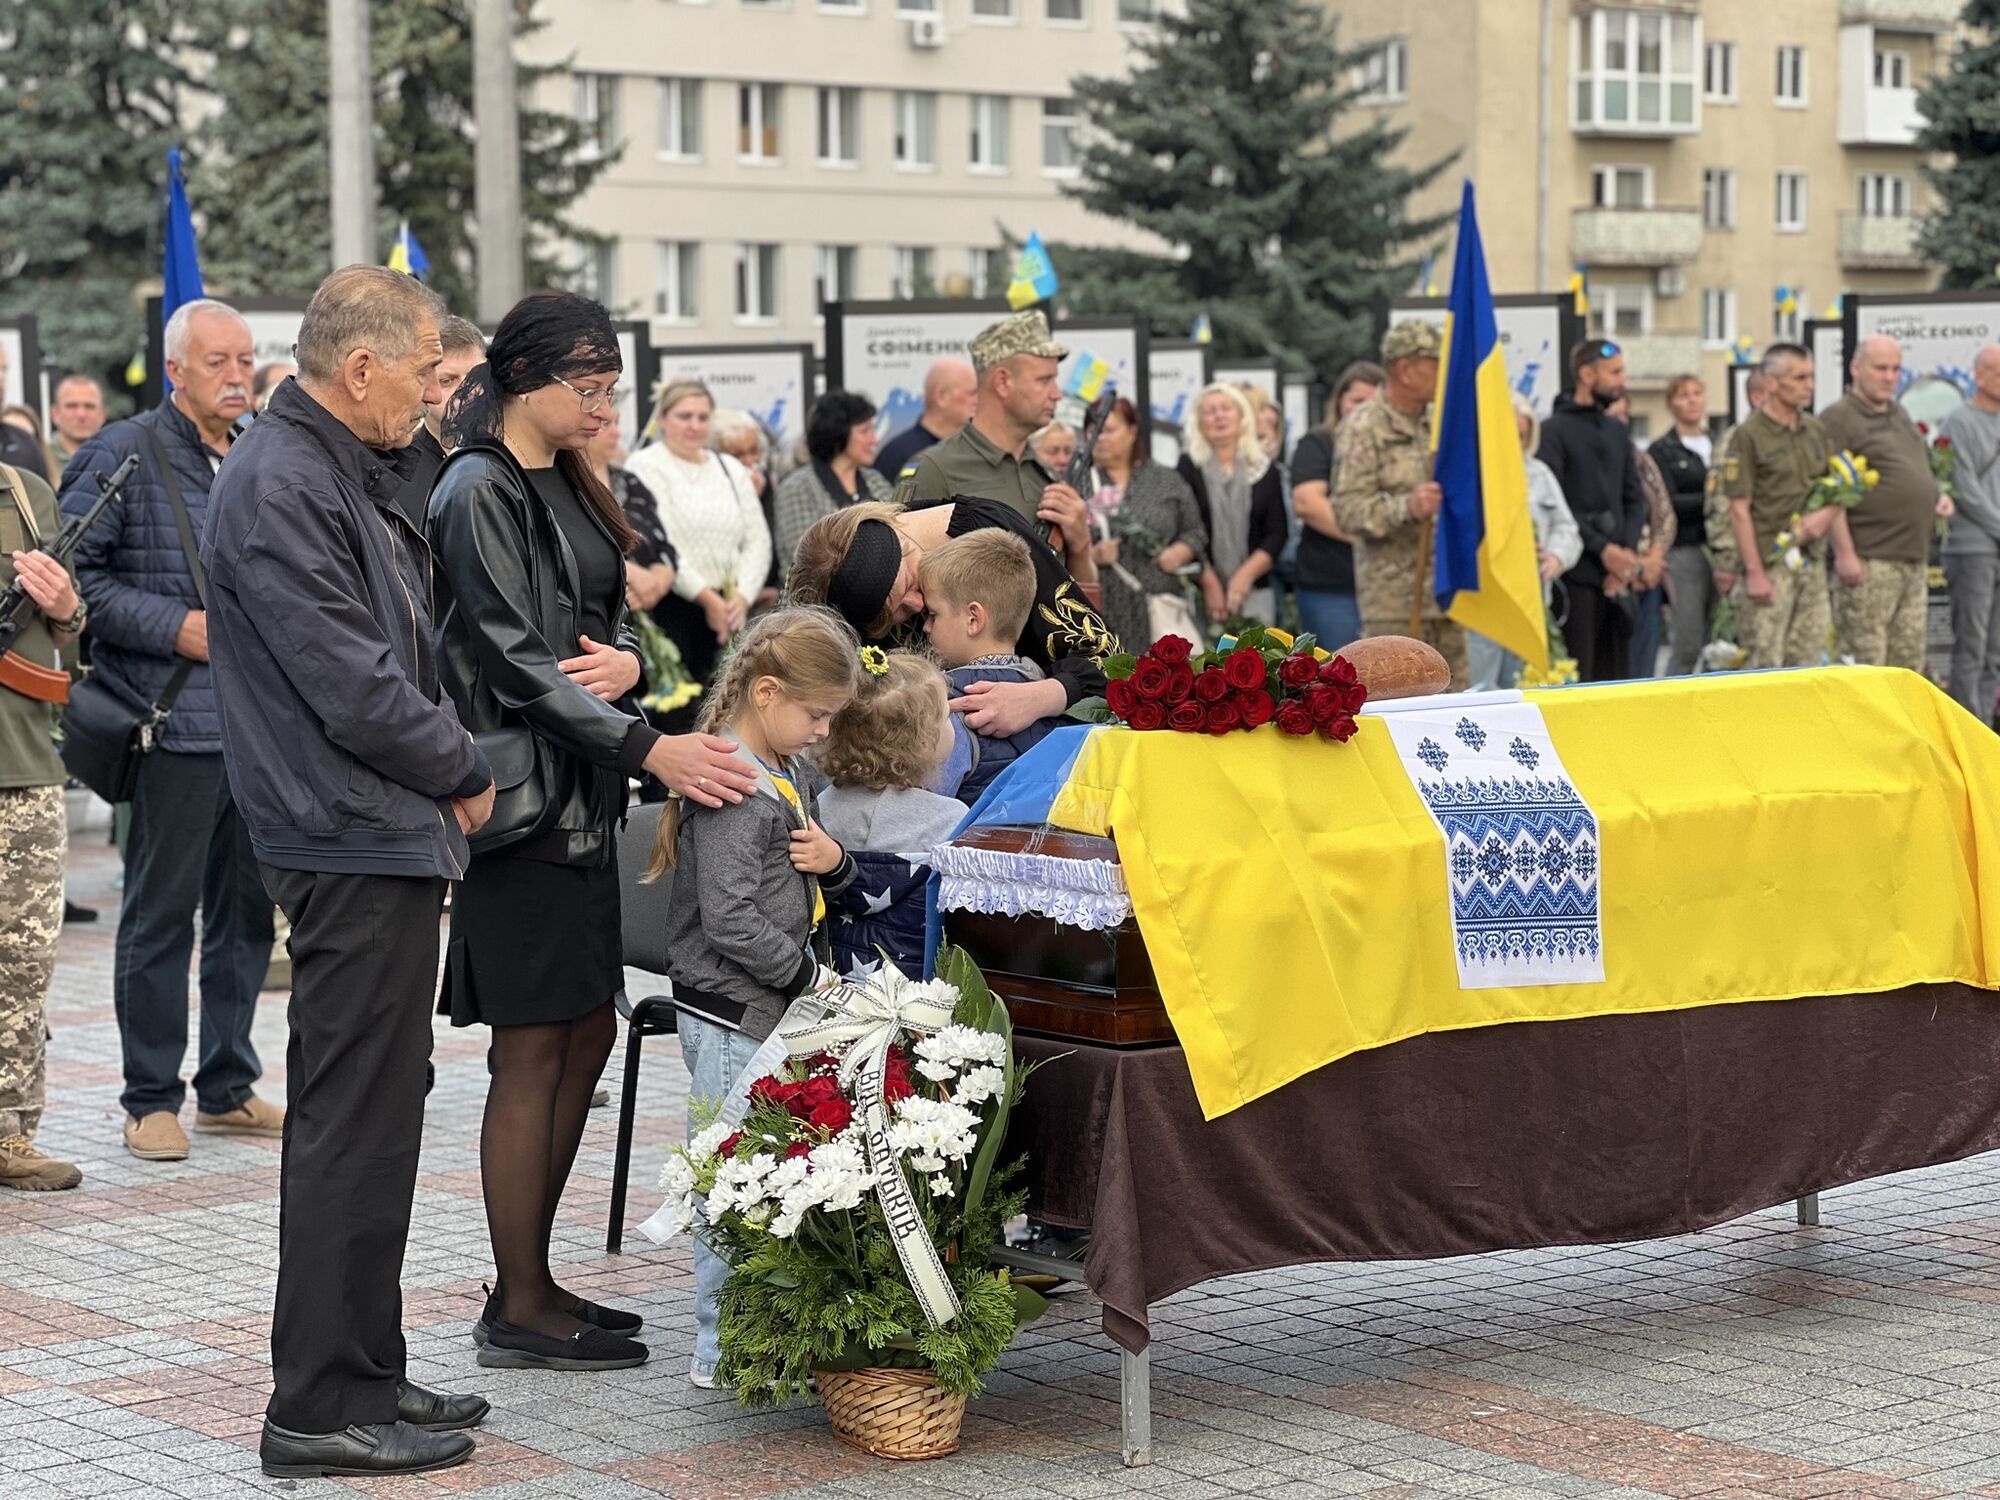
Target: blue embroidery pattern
(1523,857)
(1470,734)
(1525,753)
(1432,754)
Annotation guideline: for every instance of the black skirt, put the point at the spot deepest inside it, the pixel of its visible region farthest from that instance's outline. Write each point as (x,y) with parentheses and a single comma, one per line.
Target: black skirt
(532,942)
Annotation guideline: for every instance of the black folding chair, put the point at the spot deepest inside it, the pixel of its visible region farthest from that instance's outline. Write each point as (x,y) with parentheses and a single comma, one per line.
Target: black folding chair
(644,935)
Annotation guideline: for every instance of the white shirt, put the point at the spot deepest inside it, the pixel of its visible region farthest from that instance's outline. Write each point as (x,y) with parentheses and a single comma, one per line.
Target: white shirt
(712,517)
(1702,446)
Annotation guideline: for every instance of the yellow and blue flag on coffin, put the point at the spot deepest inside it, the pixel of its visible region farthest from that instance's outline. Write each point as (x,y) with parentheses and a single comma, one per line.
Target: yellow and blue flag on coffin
(1203,331)
(1488,574)
(406,255)
(1086,377)
(1034,276)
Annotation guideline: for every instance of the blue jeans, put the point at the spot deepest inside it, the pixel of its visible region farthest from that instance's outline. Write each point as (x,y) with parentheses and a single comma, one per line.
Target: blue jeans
(1333,620)
(714,1058)
(1645,661)
(1489,665)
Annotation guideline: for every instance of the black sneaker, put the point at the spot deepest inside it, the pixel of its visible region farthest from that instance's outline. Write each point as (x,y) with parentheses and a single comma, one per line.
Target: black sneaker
(611,1319)
(376,1448)
(511,1348)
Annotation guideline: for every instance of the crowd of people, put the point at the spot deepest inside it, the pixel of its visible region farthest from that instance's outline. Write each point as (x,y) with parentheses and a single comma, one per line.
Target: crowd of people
(396,601)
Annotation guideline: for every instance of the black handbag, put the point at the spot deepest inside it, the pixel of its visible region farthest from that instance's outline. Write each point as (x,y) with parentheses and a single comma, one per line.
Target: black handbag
(525,797)
(106,731)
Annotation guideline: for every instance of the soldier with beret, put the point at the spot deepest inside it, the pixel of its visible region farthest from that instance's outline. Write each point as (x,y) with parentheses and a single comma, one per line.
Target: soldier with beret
(1385,496)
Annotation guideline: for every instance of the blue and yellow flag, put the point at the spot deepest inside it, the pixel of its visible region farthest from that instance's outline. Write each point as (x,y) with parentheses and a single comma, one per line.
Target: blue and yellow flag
(1203,331)
(1579,297)
(1086,376)
(1034,276)
(1488,570)
(1427,282)
(406,255)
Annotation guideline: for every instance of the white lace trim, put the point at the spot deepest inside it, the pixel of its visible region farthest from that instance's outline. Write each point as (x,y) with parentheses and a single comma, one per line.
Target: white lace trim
(1086,893)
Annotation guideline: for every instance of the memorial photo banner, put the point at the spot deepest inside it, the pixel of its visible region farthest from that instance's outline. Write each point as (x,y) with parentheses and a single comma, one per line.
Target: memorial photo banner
(1536,333)
(773,382)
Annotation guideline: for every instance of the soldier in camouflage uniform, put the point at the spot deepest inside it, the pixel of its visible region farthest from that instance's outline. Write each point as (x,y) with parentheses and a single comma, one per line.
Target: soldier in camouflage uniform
(1384,495)
(33,830)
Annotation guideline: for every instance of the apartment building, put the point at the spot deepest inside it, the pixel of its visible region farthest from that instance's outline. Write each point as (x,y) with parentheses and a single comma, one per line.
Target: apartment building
(1715,168)
(778,153)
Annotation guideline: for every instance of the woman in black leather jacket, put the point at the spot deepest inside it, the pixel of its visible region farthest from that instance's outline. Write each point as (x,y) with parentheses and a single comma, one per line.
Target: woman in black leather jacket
(534,649)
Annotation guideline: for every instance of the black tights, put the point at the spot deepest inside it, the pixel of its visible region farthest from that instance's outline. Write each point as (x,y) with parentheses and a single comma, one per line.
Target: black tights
(543,1077)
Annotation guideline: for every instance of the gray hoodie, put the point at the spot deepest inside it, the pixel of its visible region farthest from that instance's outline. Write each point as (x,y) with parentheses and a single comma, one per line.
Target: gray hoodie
(739,926)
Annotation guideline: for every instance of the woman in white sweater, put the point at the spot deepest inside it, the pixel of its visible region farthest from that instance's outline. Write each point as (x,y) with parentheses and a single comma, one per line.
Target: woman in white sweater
(710,510)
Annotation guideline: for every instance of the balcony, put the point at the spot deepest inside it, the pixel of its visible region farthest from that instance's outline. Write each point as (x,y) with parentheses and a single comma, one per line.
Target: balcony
(1872,114)
(1635,236)
(1903,15)
(1875,244)
(1652,359)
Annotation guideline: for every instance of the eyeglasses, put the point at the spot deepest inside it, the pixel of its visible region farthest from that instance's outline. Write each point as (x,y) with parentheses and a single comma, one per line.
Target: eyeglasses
(592,400)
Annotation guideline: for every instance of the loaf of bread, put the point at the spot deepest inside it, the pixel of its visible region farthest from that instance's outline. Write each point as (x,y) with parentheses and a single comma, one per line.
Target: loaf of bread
(1397,666)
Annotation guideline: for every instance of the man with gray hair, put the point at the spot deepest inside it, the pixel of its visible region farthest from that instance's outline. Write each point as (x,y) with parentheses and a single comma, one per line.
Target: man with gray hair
(359,787)
(1972,545)
(187,848)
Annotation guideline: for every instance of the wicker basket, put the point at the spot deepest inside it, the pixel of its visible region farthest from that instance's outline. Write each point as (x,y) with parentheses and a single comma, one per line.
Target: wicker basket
(891,1413)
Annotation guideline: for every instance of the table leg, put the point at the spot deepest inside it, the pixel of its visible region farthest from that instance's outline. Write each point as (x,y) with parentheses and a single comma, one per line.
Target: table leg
(1809,1210)
(1135,1400)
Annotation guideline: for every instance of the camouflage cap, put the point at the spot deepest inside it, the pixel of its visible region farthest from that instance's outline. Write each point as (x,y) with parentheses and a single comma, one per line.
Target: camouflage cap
(1024,333)
(1412,336)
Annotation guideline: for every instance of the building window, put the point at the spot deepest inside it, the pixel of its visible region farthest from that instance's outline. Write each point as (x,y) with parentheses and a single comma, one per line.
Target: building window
(595,274)
(1788,318)
(1621,187)
(916,130)
(1718,78)
(1067,11)
(677,280)
(1059,135)
(1718,317)
(1718,198)
(1885,195)
(1138,12)
(1792,202)
(918,7)
(756,283)
(597,112)
(912,271)
(989,271)
(990,119)
(1892,69)
(1382,76)
(839,127)
(833,274)
(757,120)
(853,7)
(1620,310)
(1634,69)
(1792,77)
(680,118)
(993,10)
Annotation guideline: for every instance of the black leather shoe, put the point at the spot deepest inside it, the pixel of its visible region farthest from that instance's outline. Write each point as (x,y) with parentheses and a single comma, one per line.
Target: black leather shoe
(511,1348)
(436,1412)
(378,1448)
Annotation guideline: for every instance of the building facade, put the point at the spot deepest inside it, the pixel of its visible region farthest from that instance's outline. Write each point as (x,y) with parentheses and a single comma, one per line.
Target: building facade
(775,154)
(1716,169)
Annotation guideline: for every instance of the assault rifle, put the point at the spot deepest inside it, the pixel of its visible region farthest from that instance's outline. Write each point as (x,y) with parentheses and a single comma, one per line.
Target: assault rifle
(1078,469)
(18,609)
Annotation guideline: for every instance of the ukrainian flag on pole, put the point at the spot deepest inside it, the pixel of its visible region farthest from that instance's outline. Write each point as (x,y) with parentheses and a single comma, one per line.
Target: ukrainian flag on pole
(406,255)
(1488,573)
(1034,276)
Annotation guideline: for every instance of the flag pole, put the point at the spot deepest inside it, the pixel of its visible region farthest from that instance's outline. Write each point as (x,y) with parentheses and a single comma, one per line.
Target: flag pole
(1423,566)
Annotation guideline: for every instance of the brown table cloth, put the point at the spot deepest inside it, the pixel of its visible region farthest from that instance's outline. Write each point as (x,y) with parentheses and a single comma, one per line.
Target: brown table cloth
(1548,1133)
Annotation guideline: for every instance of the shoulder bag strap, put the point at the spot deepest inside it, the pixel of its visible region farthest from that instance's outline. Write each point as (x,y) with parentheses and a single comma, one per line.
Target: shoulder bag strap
(184,668)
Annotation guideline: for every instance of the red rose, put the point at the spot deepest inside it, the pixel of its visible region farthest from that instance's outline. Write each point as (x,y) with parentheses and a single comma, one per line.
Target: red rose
(1340,727)
(1148,716)
(1171,649)
(1942,441)
(1325,702)
(1297,671)
(1924,428)
(728,1148)
(816,1092)
(1245,668)
(1337,672)
(1121,695)
(773,1091)
(896,1083)
(833,1116)
(1294,717)
(1189,717)
(1149,677)
(1352,697)
(1211,686)
(1255,708)
(797,1149)
(1224,716)
(1180,683)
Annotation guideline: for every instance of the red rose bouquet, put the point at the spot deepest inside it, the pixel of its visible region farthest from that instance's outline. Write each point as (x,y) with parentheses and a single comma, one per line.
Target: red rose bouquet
(1260,677)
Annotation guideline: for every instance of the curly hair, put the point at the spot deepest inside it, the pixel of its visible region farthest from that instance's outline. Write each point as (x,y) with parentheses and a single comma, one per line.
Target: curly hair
(887,736)
(831,422)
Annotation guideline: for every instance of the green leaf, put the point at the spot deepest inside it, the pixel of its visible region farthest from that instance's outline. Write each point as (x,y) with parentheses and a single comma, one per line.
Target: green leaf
(1253,638)
(1118,668)
(1029,1304)
(1091,711)
(783,1279)
(1303,646)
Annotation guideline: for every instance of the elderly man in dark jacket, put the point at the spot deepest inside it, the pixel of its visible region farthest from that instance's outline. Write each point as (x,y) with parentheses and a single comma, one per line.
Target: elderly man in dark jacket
(359,787)
(187,847)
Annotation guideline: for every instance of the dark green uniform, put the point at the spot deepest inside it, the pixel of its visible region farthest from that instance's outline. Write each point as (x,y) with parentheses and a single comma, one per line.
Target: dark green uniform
(1772,466)
(969,463)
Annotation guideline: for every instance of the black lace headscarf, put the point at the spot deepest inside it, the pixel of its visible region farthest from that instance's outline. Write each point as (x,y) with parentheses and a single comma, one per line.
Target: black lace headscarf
(545,335)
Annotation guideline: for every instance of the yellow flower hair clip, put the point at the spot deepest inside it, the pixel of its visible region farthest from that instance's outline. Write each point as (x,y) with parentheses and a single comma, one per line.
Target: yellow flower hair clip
(874,661)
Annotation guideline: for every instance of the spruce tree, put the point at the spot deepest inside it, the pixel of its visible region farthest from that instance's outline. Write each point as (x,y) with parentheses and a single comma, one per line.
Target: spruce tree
(90,90)
(1233,141)
(1961,138)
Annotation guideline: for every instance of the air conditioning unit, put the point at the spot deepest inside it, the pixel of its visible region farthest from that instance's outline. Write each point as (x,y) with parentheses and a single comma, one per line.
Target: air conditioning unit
(1671,281)
(927,31)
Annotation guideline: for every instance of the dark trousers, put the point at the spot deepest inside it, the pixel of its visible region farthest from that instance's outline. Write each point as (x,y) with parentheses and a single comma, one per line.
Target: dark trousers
(1598,633)
(364,979)
(188,848)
